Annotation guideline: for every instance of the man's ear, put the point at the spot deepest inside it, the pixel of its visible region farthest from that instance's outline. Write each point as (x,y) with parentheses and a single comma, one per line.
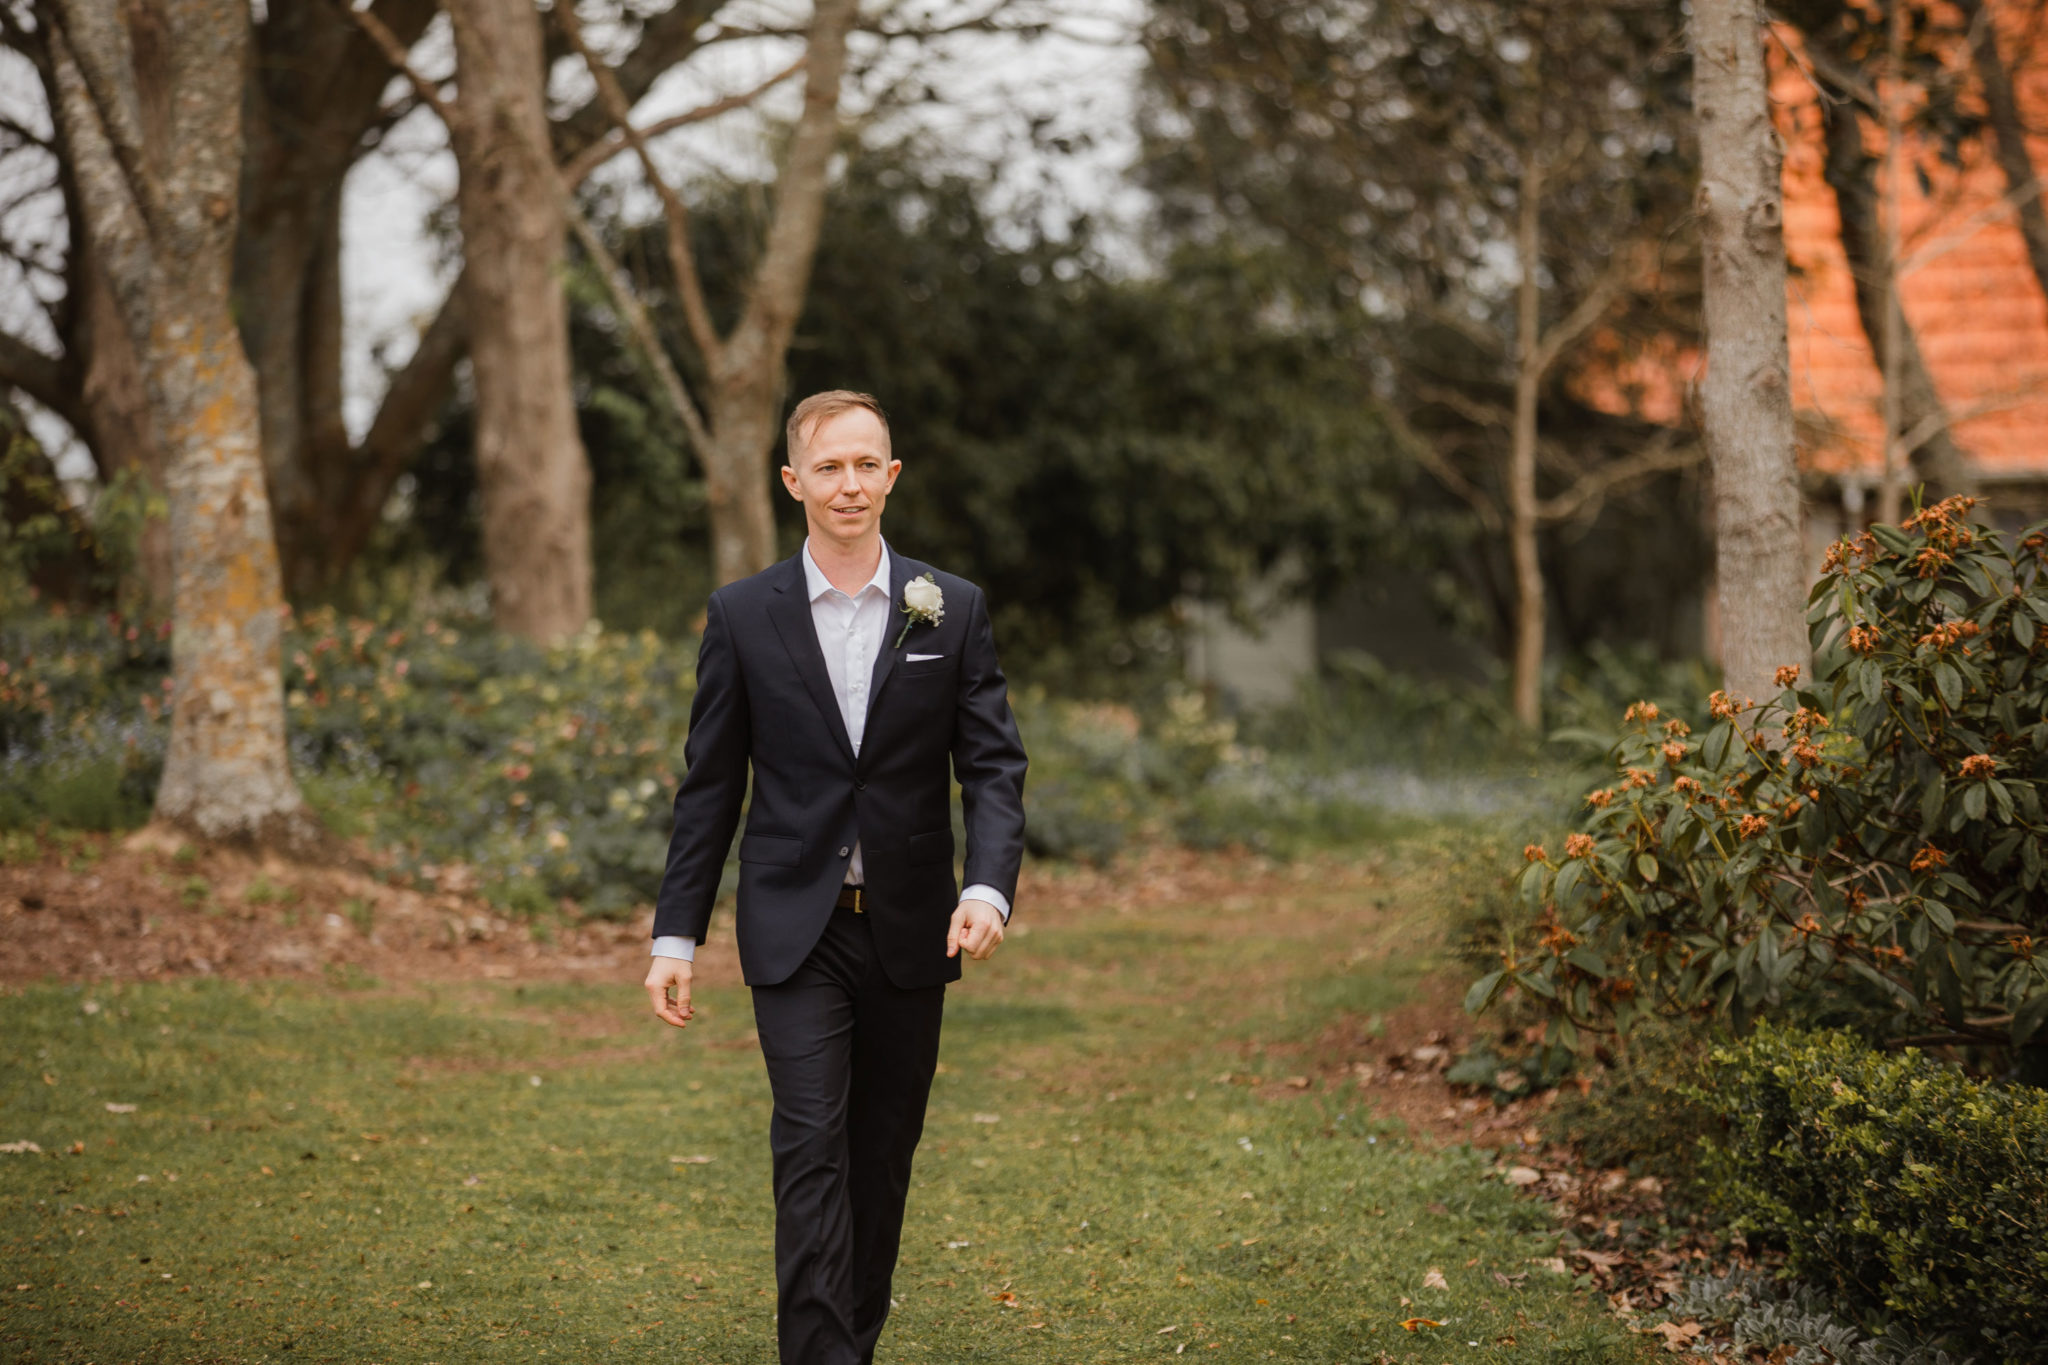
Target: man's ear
(895,468)
(789,482)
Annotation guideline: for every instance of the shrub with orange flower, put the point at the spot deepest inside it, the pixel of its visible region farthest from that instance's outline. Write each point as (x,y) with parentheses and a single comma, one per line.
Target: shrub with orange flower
(1795,857)
(1929,859)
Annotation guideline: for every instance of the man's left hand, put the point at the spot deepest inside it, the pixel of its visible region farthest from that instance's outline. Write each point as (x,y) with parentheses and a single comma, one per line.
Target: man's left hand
(977,927)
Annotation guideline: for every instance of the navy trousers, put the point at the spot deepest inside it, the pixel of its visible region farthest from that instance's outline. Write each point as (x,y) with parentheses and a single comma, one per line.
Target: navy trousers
(850,1060)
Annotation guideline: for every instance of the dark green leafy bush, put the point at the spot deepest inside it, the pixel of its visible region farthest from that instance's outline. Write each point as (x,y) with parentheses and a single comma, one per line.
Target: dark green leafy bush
(1904,1186)
(536,774)
(1866,850)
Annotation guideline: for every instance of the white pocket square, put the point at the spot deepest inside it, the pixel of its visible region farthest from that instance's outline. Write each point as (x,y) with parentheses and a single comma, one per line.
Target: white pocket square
(921,658)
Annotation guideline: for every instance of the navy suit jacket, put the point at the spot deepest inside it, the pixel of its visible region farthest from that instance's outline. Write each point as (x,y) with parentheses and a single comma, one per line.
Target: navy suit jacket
(765,701)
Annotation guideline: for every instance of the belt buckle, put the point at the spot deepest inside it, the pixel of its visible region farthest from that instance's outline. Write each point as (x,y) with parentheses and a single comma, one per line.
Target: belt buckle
(858,908)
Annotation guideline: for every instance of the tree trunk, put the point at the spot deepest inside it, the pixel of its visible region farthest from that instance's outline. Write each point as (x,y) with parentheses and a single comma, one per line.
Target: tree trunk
(744,426)
(532,472)
(1746,395)
(2009,136)
(1522,507)
(748,371)
(314,91)
(156,133)
(117,424)
(1851,172)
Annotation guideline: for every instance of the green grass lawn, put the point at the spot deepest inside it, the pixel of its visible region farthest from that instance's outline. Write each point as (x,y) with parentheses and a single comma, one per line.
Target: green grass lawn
(500,1172)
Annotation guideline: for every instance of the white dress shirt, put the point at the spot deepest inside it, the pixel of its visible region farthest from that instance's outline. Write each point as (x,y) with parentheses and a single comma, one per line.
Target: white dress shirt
(852,630)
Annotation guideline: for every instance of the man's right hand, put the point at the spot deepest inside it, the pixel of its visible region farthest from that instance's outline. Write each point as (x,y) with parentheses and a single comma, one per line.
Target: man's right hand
(663,975)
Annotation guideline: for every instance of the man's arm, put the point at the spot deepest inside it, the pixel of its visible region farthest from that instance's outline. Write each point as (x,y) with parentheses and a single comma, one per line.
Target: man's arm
(707,812)
(989,763)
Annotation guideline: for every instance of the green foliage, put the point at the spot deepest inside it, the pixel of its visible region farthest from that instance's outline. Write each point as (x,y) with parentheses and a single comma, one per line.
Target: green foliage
(1087,447)
(1903,1185)
(1866,850)
(536,775)
(1361,712)
(526,765)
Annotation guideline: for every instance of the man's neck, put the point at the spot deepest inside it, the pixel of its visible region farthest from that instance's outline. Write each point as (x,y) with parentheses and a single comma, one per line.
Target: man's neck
(847,566)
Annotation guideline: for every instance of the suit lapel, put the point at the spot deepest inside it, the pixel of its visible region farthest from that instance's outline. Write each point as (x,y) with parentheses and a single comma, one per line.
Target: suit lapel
(791,612)
(901,571)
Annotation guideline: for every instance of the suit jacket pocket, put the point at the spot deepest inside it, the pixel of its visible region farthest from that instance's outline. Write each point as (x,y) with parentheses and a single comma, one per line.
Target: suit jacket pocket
(935,847)
(771,848)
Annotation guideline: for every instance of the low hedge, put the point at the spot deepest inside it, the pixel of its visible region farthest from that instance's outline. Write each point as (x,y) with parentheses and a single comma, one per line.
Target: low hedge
(1906,1187)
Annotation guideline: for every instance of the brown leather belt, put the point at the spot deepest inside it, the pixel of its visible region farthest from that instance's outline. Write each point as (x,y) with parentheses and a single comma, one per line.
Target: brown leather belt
(852,898)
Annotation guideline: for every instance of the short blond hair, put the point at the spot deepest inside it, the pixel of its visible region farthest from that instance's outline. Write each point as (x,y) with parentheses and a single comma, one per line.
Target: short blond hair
(822,407)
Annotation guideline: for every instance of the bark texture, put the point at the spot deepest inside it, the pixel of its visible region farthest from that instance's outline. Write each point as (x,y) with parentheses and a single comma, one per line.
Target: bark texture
(2008,136)
(1746,396)
(532,471)
(1923,430)
(155,131)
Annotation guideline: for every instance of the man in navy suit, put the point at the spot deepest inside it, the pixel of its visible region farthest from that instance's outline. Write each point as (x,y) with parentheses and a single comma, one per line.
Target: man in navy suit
(858,685)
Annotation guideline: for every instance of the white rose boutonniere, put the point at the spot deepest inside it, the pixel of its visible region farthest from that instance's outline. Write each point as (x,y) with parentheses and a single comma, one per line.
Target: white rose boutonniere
(922,601)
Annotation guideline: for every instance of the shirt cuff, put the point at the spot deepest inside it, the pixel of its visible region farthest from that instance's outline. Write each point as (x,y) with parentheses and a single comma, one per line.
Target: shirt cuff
(979,892)
(675,945)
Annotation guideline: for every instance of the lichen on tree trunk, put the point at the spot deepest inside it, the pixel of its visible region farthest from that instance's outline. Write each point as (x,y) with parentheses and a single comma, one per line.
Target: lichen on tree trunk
(156,139)
(1746,394)
(226,772)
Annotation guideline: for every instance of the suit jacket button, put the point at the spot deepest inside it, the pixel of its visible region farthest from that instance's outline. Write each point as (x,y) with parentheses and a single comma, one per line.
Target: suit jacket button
(860,786)
(845,852)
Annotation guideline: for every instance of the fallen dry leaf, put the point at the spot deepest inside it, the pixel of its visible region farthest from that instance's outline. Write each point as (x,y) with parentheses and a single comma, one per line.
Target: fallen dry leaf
(21,1148)
(1677,1335)
(691,1160)
(1417,1324)
(1523,1175)
(1435,1280)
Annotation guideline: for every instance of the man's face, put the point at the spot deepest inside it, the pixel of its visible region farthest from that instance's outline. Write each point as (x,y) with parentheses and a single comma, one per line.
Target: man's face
(842,472)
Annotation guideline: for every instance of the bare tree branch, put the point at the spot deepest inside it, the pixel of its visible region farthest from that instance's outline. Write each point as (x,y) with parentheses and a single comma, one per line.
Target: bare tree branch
(777,289)
(1478,413)
(665,39)
(580,166)
(46,379)
(1591,308)
(634,315)
(1586,495)
(682,261)
(401,61)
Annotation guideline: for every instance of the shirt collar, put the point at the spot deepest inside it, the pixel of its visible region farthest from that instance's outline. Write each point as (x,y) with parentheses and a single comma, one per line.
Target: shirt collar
(816,585)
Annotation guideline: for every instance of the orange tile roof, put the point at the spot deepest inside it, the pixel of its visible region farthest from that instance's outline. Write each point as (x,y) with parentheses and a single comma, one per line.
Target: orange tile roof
(1981,318)
(1968,291)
